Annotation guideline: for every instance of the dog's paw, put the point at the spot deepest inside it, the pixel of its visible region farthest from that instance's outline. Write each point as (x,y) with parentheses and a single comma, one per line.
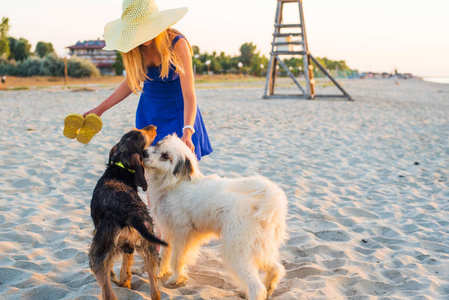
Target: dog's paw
(127,285)
(176,279)
(122,284)
(138,271)
(162,272)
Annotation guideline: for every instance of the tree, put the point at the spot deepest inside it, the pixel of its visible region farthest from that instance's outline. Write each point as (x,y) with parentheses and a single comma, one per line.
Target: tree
(256,63)
(21,50)
(225,61)
(4,42)
(4,47)
(4,27)
(43,49)
(118,64)
(247,53)
(295,63)
(11,41)
(195,50)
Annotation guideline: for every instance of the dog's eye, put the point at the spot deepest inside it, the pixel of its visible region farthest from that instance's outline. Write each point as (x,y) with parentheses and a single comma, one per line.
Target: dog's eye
(165,156)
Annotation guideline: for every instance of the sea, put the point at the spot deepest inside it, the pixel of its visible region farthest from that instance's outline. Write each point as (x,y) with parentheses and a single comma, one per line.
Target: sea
(444,80)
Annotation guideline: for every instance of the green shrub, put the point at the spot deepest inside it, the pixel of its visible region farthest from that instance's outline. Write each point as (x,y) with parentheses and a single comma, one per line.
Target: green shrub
(54,65)
(118,65)
(31,66)
(8,67)
(81,67)
(50,65)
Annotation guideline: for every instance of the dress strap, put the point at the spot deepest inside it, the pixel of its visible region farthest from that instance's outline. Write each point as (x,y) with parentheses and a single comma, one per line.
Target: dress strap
(175,40)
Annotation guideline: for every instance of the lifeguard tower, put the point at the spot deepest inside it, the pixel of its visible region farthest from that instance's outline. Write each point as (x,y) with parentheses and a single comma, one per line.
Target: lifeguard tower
(294,43)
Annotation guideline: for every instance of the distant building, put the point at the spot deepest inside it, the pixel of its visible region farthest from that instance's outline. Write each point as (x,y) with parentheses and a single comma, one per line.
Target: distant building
(93,50)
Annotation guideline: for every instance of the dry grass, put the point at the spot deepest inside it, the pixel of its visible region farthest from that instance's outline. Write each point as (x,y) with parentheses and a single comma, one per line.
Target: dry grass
(82,84)
(21,83)
(17,83)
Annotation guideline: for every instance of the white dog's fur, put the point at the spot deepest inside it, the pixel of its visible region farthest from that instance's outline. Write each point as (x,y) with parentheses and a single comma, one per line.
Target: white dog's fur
(247,214)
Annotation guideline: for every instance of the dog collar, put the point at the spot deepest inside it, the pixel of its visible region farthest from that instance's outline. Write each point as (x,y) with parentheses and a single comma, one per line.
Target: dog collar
(122,166)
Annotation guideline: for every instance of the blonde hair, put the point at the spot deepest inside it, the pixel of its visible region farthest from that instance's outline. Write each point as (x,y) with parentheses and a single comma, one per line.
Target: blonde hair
(136,64)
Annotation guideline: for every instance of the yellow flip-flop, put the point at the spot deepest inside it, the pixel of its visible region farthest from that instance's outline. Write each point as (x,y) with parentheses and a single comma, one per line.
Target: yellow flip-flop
(92,125)
(72,124)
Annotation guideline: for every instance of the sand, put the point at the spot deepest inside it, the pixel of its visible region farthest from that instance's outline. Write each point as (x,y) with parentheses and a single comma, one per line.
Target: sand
(367,184)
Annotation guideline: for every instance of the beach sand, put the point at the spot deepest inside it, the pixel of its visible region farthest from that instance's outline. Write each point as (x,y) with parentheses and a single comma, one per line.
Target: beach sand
(367,184)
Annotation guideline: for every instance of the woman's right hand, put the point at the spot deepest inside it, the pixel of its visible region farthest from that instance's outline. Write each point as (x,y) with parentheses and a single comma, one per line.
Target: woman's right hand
(95,110)
(117,96)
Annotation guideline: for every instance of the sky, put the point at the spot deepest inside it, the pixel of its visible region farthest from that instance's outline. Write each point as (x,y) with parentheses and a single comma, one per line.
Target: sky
(370,35)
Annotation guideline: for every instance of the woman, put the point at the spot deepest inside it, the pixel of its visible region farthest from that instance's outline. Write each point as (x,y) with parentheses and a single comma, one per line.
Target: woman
(158,63)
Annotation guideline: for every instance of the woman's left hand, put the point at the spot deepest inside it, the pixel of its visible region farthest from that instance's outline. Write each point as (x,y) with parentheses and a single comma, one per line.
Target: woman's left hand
(187,139)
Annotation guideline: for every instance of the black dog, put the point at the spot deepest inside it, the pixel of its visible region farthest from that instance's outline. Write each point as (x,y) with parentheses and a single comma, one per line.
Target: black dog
(121,218)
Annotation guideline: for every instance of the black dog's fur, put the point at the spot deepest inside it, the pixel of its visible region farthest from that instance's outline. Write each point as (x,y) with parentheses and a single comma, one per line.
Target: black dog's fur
(121,218)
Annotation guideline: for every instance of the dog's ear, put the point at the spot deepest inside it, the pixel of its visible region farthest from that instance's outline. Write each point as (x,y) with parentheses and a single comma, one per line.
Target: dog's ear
(139,177)
(188,167)
(150,132)
(150,128)
(183,168)
(112,152)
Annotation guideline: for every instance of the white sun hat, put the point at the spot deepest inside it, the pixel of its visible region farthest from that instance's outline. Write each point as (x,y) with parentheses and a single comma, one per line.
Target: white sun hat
(140,22)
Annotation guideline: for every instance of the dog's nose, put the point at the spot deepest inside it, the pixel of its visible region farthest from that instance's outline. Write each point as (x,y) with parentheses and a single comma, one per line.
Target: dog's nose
(146,154)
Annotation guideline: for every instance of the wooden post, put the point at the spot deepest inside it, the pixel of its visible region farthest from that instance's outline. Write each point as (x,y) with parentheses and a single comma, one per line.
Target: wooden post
(312,82)
(65,70)
(311,79)
(273,75)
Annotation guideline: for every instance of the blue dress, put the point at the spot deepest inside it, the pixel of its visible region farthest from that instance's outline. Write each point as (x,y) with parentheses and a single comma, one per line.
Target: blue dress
(162,104)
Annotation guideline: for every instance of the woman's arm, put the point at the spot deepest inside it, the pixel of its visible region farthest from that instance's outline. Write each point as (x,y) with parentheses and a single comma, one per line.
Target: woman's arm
(116,97)
(188,90)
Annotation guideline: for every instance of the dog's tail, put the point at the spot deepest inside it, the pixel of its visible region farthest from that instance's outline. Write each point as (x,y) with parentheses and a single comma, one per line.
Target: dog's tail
(274,206)
(268,202)
(139,225)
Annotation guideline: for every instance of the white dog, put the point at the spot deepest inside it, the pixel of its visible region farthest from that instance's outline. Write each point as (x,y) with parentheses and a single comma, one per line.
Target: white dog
(247,214)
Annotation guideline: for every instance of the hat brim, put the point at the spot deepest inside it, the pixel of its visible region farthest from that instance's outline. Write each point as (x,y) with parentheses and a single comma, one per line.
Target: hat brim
(125,37)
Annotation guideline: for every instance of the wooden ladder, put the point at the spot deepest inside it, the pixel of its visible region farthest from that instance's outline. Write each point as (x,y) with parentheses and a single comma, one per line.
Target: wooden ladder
(288,44)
